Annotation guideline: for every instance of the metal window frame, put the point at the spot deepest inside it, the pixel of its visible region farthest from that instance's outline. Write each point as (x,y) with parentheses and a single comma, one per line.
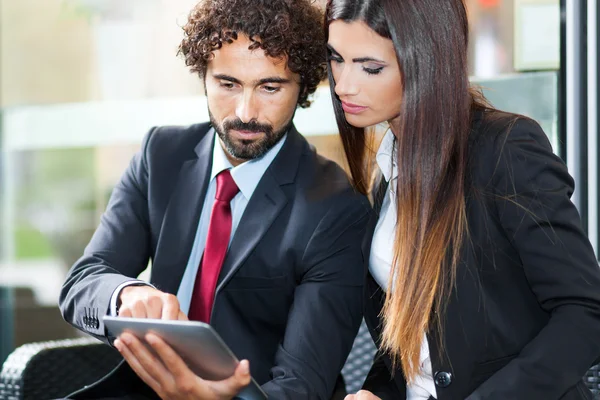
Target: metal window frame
(574,66)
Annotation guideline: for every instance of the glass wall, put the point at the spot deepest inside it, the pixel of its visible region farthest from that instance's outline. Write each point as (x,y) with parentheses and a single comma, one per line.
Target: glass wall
(84,80)
(515,57)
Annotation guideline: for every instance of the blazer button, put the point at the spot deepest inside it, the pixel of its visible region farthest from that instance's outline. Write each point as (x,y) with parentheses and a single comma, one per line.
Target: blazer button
(442,379)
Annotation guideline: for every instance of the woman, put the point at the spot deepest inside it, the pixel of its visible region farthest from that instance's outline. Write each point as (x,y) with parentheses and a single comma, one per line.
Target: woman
(481,282)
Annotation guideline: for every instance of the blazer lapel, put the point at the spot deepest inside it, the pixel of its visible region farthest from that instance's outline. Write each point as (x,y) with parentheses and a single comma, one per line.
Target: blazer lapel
(374,294)
(265,205)
(380,188)
(182,217)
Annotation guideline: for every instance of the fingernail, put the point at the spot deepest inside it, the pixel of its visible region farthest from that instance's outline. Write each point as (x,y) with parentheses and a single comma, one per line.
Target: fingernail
(245,367)
(118,344)
(150,339)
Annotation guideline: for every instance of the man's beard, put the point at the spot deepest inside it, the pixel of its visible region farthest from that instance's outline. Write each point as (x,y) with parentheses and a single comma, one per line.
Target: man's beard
(247,149)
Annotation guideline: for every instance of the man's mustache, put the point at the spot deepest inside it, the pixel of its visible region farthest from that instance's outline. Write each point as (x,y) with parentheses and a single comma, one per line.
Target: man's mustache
(251,126)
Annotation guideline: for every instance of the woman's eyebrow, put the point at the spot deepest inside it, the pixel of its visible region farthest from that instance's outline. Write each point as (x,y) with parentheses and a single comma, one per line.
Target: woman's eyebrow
(367,59)
(357,60)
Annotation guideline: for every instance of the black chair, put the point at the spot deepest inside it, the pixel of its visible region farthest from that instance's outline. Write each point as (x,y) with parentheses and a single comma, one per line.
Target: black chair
(359,360)
(54,369)
(592,380)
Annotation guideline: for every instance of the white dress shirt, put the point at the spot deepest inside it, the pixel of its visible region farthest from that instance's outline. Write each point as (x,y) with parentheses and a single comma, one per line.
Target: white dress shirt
(382,255)
(246,176)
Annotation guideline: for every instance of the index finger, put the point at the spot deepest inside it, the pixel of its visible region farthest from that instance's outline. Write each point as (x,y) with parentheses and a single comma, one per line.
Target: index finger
(170,309)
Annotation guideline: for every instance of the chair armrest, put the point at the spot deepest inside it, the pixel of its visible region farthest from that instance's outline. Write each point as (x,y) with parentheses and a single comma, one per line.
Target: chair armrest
(54,369)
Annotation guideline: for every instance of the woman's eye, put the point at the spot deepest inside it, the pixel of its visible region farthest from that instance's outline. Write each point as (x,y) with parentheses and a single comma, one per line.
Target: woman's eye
(336,60)
(373,71)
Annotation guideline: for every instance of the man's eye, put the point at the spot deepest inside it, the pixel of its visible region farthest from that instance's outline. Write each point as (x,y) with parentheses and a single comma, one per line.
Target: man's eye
(271,89)
(227,85)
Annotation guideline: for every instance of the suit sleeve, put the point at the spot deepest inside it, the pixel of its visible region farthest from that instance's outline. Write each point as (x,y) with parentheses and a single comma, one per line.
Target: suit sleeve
(533,190)
(327,308)
(118,251)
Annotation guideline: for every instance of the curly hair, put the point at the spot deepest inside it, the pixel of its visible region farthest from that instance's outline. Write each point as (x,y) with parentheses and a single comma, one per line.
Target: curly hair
(289,29)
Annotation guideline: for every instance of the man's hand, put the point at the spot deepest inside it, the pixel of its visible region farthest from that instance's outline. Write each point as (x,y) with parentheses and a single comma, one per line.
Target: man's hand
(147,302)
(362,395)
(170,377)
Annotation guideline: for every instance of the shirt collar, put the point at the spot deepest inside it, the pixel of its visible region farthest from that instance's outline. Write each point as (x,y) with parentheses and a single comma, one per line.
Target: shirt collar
(247,175)
(386,156)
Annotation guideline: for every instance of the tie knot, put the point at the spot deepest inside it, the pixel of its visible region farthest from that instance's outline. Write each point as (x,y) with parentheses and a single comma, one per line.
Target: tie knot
(226,187)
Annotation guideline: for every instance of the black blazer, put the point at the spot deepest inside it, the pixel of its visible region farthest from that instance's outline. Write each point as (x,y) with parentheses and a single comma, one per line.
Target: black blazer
(523,321)
(289,294)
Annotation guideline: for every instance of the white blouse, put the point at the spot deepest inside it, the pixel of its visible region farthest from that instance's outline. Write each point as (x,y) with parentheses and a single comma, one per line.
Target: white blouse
(382,254)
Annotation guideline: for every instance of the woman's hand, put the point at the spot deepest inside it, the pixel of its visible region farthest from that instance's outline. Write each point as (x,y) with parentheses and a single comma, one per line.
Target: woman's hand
(362,395)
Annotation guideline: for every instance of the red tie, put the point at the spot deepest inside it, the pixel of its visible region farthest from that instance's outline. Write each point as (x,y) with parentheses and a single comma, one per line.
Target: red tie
(217,242)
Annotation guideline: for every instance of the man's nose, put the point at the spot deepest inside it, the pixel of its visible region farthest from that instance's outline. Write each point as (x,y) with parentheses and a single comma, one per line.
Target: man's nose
(247,108)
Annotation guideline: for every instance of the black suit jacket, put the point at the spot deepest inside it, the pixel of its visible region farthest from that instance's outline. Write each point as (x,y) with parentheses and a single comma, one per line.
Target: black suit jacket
(288,297)
(523,321)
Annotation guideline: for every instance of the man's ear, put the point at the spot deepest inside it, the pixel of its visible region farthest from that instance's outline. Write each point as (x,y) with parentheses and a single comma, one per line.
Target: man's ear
(303,90)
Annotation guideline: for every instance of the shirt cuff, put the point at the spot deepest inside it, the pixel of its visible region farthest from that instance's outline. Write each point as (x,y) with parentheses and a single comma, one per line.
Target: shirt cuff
(112,311)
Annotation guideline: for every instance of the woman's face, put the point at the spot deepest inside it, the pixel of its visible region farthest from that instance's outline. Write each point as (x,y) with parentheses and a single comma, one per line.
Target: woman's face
(366,73)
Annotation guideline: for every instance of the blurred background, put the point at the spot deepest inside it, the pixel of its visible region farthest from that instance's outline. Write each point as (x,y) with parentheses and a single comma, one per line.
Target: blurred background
(82,81)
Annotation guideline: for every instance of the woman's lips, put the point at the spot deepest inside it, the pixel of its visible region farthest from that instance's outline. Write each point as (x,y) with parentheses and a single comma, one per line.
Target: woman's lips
(352,108)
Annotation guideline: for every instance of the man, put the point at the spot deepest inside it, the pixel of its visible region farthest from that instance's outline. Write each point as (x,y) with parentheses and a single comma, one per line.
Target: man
(246,226)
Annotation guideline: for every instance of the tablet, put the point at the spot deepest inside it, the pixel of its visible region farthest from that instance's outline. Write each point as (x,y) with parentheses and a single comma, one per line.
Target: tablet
(197,343)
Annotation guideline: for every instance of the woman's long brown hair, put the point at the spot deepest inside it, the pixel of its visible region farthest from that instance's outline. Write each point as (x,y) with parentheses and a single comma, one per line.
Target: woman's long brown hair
(431,39)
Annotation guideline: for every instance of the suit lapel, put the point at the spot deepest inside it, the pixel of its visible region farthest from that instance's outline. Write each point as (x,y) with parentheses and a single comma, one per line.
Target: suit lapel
(377,198)
(264,206)
(182,216)
(374,295)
